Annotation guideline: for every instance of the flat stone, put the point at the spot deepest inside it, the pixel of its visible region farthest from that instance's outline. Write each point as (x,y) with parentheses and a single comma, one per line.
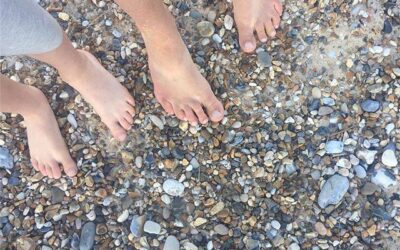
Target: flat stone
(333,191)
(325,110)
(320,228)
(316,92)
(123,217)
(189,246)
(264,59)
(228,22)
(367,155)
(334,147)
(171,243)
(389,158)
(137,225)
(173,187)
(221,229)
(157,121)
(205,28)
(383,178)
(370,106)
(396,71)
(360,171)
(57,195)
(6,159)
(369,188)
(294,246)
(199,221)
(217,208)
(152,227)
(87,236)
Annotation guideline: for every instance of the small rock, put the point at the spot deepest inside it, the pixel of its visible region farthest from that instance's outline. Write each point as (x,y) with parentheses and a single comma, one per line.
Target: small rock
(396,71)
(382,177)
(6,159)
(333,191)
(264,59)
(275,224)
(376,50)
(189,246)
(360,171)
(387,27)
(205,28)
(389,158)
(320,228)
(18,66)
(123,217)
(71,119)
(325,110)
(173,187)
(157,121)
(217,208)
(25,243)
(369,188)
(228,22)
(367,155)
(171,243)
(294,246)
(221,229)
(199,221)
(57,195)
(87,236)
(370,106)
(137,226)
(101,229)
(63,16)
(152,227)
(316,93)
(334,147)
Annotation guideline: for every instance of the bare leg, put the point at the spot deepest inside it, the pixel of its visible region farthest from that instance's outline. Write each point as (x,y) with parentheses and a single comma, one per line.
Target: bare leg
(46,145)
(262,16)
(178,85)
(81,70)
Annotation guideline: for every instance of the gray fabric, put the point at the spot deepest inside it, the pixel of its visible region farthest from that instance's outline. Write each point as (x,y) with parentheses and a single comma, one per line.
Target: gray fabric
(26,28)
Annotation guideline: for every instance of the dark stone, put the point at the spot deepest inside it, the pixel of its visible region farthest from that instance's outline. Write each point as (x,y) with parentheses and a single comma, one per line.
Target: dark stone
(387,27)
(309,39)
(57,195)
(13,181)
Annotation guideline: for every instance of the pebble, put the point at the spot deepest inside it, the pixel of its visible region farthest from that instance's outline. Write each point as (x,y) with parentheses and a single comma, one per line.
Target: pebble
(389,158)
(275,224)
(87,236)
(136,226)
(173,187)
(221,229)
(6,159)
(396,71)
(360,171)
(383,178)
(320,228)
(123,217)
(316,93)
(294,246)
(369,188)
(264,59)
(228,22)
(333,191)
(334,147)
(63,16)
(205,28)
(157,121)
(367,155)
(387,27)
(71,119)
(171,243)
(152,227)
(370,106)
(325,110)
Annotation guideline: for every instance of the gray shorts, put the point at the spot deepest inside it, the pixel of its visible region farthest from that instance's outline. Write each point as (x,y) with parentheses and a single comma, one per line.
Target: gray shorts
(26,28)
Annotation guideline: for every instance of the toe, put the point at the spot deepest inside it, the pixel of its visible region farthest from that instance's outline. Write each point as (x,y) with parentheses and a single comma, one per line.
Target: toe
(124,123)
(35,164)
(180,114)
(215,110)
(49,171)
(276,21)
(201,115)
(118,132)
(278,7)
(42,169)
(270,28)
(246,38)
(130,109)
(130,100)
(128,117)
(261,33)
(55,168)
(167,107)
(191,117)
(69,166)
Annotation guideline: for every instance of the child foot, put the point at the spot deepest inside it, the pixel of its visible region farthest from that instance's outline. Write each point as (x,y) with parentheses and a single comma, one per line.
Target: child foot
(260,16)
(46,145)
(182,90)
(109,98)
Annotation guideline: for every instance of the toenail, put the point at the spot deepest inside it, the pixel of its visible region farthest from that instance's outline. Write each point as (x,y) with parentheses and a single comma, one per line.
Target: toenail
(216,114)
(248,45)
(264,40)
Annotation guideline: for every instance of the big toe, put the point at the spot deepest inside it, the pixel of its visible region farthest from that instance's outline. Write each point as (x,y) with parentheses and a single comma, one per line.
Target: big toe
(69,166)
(215,110)
(118,132)
(246,38)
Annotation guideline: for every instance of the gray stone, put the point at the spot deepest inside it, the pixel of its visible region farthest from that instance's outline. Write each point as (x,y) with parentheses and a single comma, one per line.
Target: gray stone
(360,171)
(87,236)
(370,106)
(6,160)
(205,28)
(228,22)
(382,177)
(171,243)
(389,158)
(333,191)
(57,195)
(137,225)
(152,227)
(367,155)
(221,229)
(173,187)
(325,110)
(264,59)
(157,121)
(334,147)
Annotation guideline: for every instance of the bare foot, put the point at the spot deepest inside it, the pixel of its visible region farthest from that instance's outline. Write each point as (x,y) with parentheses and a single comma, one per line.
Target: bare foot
(181,89)
(262,16)
(46,145)
(109,98)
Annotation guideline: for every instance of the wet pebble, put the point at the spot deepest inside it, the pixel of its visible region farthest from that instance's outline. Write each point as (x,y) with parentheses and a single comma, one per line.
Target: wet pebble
(334,147)
(333,191)
(383,178)
(389,158)
(136,226)
(152,227)
(173,187)
(87,236)
(171,243)
(205,28)
(6,160)
(370,106)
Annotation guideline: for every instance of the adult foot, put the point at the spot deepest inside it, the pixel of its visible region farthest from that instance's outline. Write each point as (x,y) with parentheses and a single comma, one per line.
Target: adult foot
(109,98)
(46,145)
(181,89)
(260,16)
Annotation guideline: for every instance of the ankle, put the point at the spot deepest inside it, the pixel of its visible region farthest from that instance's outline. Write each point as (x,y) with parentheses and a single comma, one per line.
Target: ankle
(37,105)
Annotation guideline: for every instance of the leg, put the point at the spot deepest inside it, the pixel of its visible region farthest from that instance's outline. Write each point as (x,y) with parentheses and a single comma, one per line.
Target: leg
(46,145)
(178,85)
(81,70)
(262,16)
